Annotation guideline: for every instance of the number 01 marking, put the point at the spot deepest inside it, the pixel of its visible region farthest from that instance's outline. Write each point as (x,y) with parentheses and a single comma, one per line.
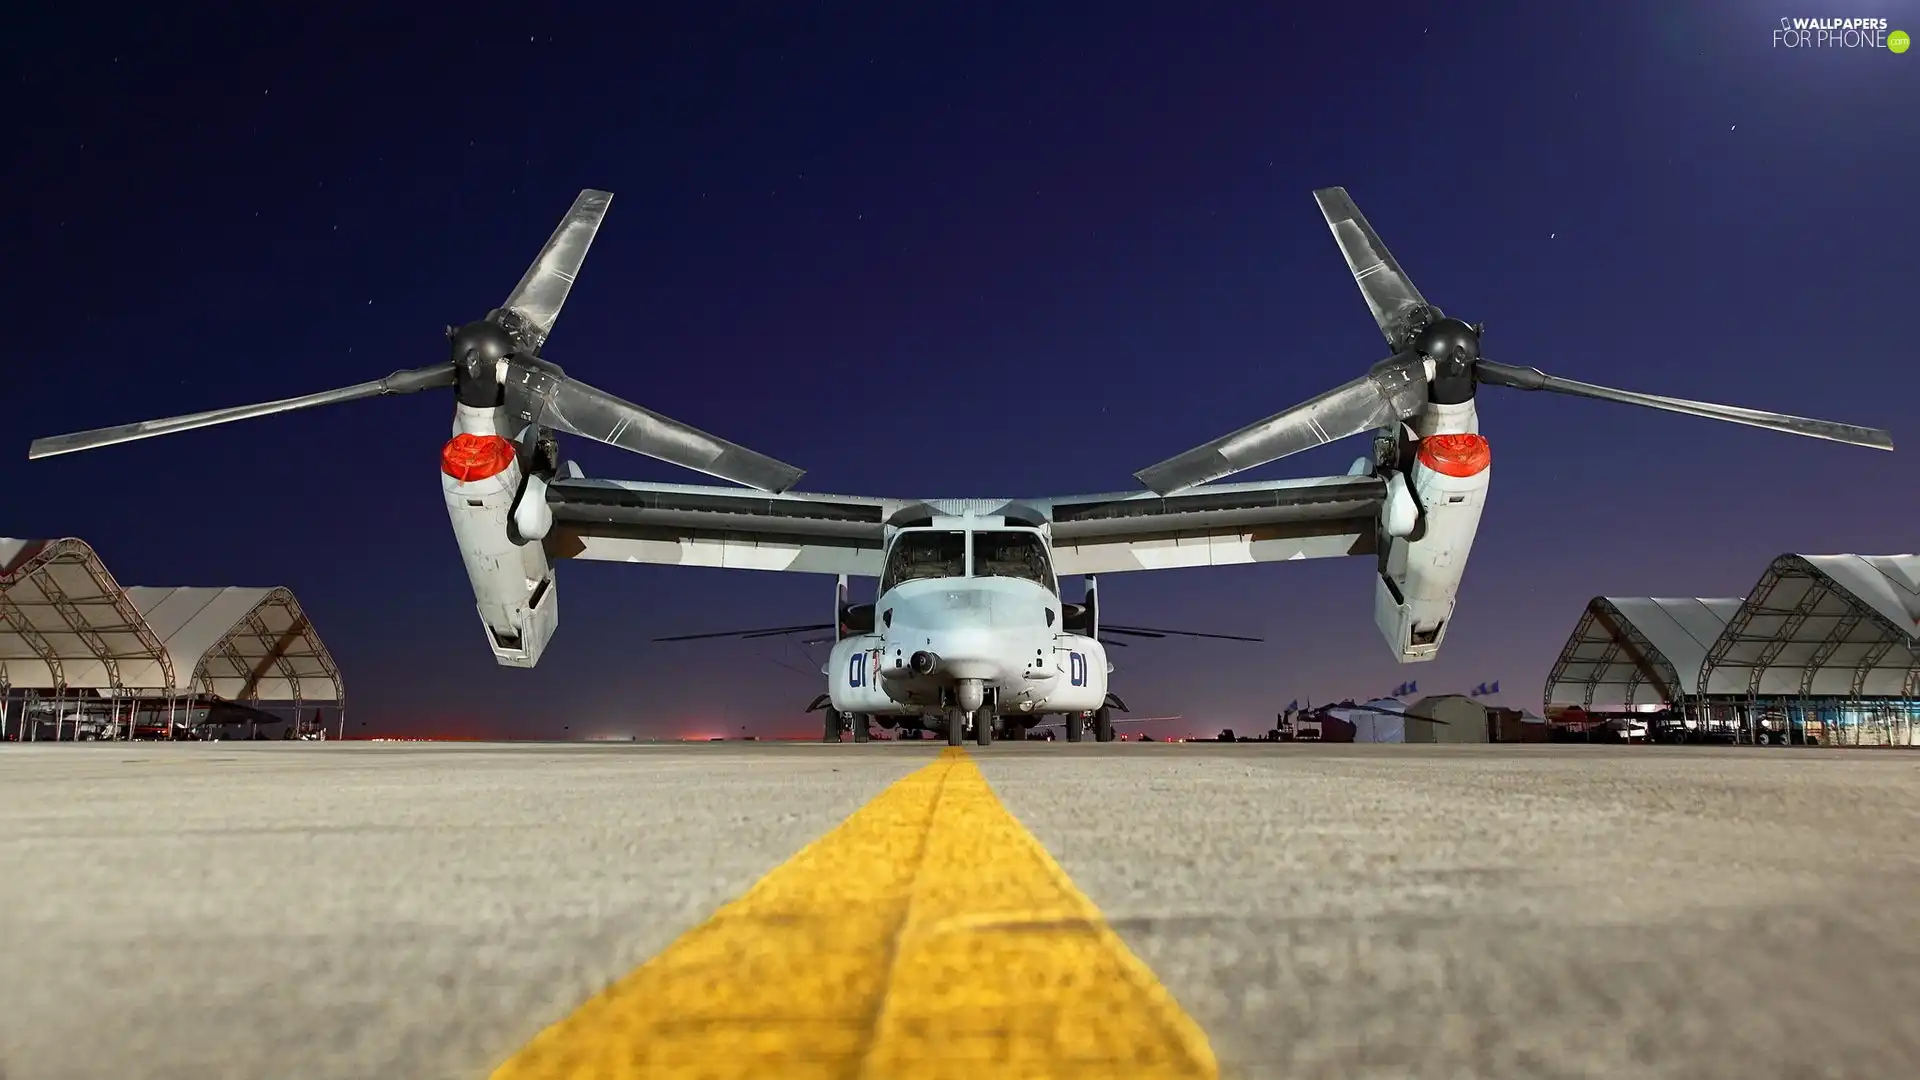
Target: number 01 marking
(1077,668)
(857,669)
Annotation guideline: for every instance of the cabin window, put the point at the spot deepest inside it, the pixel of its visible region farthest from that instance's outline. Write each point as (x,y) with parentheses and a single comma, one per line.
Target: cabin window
(925,553)
(1012,555)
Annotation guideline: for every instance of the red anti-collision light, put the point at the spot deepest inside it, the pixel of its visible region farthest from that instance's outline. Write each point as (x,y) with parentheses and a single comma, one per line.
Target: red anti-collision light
(475,457)
(1456,455)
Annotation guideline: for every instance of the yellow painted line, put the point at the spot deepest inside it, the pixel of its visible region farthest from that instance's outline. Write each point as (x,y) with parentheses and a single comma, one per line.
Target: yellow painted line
(927,936)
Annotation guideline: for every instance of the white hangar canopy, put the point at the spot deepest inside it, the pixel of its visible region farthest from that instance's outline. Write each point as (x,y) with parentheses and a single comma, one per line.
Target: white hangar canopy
(1824,626)
(1841,626)
(1637,650)
(65,622)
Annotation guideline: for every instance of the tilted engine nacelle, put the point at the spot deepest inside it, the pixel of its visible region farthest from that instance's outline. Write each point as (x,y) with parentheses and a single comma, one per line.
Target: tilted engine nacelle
(500,516)
(1427,526)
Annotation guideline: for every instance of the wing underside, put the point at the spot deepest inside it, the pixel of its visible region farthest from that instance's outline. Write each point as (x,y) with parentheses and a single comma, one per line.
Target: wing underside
(1218,525)
(696,525)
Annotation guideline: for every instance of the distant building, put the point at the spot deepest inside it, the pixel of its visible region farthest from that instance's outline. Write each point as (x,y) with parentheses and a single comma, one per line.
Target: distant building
(1447,718)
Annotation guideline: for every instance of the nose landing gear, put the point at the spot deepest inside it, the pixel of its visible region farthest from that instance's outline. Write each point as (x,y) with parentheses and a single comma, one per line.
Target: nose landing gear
(983,720)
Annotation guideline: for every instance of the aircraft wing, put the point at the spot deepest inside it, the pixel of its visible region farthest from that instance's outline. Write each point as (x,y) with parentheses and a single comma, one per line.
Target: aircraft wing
(728,527)
(743,529)
(1215,525)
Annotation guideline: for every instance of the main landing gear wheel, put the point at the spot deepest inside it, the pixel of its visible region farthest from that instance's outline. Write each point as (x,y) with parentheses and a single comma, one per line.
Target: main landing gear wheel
(983,719)
(1103,725)
(956,727)
(1076,727)
(860,730)
(832,726)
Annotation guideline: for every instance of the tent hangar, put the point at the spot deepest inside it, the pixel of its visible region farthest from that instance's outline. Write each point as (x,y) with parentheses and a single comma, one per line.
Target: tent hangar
(1821,645)
(70,632)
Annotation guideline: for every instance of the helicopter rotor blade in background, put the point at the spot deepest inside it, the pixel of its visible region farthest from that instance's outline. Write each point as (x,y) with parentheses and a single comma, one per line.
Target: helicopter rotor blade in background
(1157,632)
(749,635)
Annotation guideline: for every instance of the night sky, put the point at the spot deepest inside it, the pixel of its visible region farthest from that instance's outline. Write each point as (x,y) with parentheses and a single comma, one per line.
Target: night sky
(957,250)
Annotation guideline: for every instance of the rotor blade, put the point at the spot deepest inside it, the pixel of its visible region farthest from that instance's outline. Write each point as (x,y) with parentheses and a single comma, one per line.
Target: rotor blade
(1121,644)
(1156,632)
(400,382)
(1395,389)
(1525,378)
(750,634)
(1390,294)
(547,397)
(543,289)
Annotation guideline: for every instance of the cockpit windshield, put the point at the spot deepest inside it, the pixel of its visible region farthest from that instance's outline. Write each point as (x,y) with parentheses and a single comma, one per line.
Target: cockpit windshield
(925,553)
(1012,555)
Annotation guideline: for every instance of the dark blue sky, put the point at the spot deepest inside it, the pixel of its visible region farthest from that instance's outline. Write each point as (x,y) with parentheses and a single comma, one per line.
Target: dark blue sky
(1004,250)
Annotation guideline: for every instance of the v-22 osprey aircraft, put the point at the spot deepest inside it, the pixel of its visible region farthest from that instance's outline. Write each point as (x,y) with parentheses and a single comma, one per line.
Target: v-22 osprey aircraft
(969,628)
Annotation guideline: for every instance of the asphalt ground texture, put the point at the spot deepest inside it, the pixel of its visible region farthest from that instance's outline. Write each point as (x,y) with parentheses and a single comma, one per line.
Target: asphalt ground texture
(754,909)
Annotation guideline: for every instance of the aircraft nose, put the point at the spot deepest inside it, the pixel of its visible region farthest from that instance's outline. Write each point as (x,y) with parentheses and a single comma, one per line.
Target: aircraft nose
(938,610)
(963,652)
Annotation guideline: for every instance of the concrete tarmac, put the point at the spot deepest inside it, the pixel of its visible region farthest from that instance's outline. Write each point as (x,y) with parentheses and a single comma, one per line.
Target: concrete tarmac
(414,910)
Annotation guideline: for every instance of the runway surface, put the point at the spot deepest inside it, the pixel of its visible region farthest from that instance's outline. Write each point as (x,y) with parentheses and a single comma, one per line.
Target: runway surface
(409,910)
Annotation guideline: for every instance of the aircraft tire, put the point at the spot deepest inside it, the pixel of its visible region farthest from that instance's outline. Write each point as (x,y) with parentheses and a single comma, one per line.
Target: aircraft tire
(832,727)
(956,727)
(1076,727)
(983,726)
(860,730)
(1103,725)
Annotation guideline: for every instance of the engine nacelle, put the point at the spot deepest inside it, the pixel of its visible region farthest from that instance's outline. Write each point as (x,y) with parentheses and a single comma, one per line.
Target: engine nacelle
(513,587)
(1421,566)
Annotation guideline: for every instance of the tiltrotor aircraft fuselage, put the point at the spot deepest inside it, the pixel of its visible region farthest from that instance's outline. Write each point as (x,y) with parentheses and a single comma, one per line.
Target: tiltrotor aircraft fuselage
(968,627)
